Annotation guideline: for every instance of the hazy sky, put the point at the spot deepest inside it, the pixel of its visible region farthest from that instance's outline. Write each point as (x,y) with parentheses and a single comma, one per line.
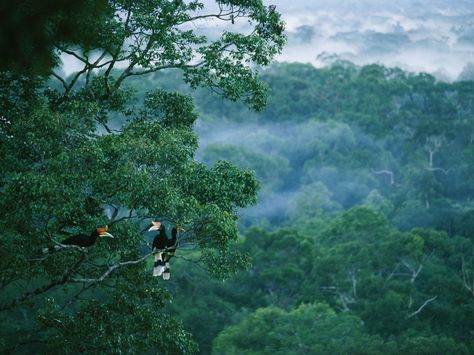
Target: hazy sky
(418,35)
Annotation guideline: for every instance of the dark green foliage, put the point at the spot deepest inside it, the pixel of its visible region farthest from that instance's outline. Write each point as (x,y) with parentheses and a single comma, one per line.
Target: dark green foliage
(82,152)
(30,30)
(363,239)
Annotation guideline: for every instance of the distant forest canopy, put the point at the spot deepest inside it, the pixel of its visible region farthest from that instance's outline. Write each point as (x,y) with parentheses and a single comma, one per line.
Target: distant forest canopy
(362,240)
(333,138)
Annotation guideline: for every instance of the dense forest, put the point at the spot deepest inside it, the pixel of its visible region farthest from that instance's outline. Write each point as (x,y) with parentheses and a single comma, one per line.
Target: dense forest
(312,210)
(361,241)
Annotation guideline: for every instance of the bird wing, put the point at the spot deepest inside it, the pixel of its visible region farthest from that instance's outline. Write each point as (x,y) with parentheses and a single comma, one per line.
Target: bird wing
(78,239)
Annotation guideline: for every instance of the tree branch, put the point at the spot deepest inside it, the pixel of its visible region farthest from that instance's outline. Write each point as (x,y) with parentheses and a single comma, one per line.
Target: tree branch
(132,64)
(422,306)
(468,281)
(444,171)
(93,66)
(65,85)
(76,77)
(74,54)
(45,288)
(110,269)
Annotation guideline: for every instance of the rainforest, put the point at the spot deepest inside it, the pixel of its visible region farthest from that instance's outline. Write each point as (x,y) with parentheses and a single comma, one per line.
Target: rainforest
(183,192)
(361,240)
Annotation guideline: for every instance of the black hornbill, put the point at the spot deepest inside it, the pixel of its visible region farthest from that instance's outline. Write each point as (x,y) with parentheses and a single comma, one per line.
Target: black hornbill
(160,240)
(164,249)
(82,240)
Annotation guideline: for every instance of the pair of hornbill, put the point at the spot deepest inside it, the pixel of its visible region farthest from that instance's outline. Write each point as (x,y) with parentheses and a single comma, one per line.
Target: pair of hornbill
(164,249)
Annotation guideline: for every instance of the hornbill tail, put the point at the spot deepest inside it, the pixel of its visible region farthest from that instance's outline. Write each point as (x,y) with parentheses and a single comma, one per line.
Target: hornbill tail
(167,272)
(159,264)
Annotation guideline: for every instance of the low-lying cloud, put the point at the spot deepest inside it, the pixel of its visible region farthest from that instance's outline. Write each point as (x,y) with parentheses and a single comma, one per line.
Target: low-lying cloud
(429,36)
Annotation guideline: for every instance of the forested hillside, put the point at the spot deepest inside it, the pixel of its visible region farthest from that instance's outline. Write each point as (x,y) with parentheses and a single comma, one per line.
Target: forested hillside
(362,239)
(309,211)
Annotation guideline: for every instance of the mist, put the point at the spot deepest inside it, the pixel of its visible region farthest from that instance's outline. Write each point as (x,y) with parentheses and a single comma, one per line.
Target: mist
(289,159)
(428,36)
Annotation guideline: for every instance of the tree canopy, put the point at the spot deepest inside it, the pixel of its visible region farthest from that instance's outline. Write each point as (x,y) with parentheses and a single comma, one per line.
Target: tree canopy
(68,168)
(365,207)
(340,214)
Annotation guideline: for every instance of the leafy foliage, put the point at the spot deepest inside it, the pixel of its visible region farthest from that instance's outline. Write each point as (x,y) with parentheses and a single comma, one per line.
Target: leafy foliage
(81,152)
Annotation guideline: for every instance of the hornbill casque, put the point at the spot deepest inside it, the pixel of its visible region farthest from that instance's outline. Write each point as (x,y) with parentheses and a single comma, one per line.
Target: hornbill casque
(82,240)
(164,249)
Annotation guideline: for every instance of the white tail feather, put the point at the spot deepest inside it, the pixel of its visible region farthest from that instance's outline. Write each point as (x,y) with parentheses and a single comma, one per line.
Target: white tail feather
(158,267)
(158,271)
(167,272)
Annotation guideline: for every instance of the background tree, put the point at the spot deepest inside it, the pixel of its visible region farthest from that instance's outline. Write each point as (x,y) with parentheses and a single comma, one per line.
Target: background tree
(345,204)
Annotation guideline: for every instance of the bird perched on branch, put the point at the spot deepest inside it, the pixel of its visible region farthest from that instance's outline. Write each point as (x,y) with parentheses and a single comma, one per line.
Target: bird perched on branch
(164,249)
(82,240)
(160,243)
(171,249)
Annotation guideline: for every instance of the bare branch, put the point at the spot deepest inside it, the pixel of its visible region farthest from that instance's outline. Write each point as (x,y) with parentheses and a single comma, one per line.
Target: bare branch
(353,277)
(414,271)
(114,213)
(115,55)
(76,77)
(93,66)
(345,301)
(104,124)
(61,80)
(467,277)
(432,145)
(74,54)
(110,270)
(428,301)
(230,15)
(444,171)
(132,64)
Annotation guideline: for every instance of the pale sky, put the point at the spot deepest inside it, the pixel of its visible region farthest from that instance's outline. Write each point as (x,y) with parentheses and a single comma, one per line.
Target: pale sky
(436,36)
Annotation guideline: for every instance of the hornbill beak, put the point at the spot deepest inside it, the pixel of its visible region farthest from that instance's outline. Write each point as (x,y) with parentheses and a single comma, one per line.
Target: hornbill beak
(155,226)
(103,232)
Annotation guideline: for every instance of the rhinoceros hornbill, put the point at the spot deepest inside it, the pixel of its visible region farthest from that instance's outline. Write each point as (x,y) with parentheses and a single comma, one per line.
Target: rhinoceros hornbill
(82,240)
(164,249)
